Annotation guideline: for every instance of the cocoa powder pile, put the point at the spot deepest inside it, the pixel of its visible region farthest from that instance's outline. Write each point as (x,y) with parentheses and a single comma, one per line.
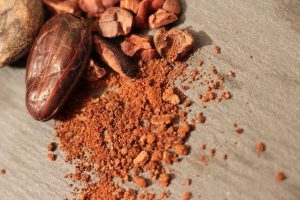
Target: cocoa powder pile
(134,126)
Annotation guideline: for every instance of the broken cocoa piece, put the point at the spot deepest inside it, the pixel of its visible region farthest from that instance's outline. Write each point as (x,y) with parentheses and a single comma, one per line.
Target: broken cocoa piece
(161,18)
(112,55)
(134,43)
(157,4)
(149,54)
(173,44)
(172,6)
(93,8)
(114,22)
(110,3)
(132,5)
(65,6)
(94,71)
(139,46)
(143,12)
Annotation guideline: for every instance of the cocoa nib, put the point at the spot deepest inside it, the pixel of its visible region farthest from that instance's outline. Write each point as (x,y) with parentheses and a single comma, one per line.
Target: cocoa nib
(132,5)
(110,3)
(139,46)
(173,44)
(161,18)
(112,55)
(115,22)
(94,71)
(93,8)
(156,4)
(65,6)
(143,12)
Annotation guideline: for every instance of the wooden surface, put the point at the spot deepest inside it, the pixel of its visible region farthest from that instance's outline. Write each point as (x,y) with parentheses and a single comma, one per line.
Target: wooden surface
(266,98)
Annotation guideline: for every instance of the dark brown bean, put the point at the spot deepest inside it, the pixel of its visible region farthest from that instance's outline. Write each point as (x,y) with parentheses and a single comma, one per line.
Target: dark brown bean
(113,56)
(57,60)
(20,22)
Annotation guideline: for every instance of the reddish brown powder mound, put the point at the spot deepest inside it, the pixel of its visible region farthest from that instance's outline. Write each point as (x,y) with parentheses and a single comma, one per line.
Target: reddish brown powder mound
(127,130)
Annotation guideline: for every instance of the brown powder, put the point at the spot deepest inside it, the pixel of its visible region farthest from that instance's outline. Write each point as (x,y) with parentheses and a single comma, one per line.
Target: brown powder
(217,49)
(165,180)
(140,181)
(52,146)
(2,171)
(186,195)
(52,156)
(260,147)
(279,176)
(187,181)
(128,128)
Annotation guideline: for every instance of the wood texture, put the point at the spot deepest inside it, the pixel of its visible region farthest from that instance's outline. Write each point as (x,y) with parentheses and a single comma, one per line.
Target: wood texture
(266,97)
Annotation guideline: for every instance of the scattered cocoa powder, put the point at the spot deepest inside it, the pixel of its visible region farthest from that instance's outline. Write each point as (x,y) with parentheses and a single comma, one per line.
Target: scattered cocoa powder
(165,180)
(2,171)
(279,176)
(52,156)
(239,130)
(140,181)
(52,146)
(217,49)
(260,147)
(187,181)
(186,195)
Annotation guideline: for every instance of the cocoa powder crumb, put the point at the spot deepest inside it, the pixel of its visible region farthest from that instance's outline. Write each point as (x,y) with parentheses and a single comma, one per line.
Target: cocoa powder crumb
(181,149)
(186,195)
(52,146)
(2,171)
(140,181)
(217,49)
(141,159)
(203,159)
(231,74)
(187,181)
(226,95)
(212,152)
(260,147)
(165,180)
(279,176)
(200,62)
(239,130)
(52,156)
(203,146)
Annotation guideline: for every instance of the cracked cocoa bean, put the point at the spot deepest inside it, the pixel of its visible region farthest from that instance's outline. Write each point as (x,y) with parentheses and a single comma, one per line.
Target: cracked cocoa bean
(114,22)
(57,60)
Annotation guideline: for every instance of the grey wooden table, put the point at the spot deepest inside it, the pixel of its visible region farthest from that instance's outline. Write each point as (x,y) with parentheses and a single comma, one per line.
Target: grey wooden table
(265,103)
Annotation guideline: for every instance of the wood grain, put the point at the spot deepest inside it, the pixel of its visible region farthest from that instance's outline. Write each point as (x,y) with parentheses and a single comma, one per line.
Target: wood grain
(266,97)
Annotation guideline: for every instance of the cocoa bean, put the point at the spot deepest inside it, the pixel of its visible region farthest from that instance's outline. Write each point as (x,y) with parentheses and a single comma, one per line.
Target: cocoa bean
(114,22)
(57,60)
(20,22)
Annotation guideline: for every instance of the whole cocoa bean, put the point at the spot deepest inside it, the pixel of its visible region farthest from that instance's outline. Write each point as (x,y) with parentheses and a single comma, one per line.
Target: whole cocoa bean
(20,22)
(57,60)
